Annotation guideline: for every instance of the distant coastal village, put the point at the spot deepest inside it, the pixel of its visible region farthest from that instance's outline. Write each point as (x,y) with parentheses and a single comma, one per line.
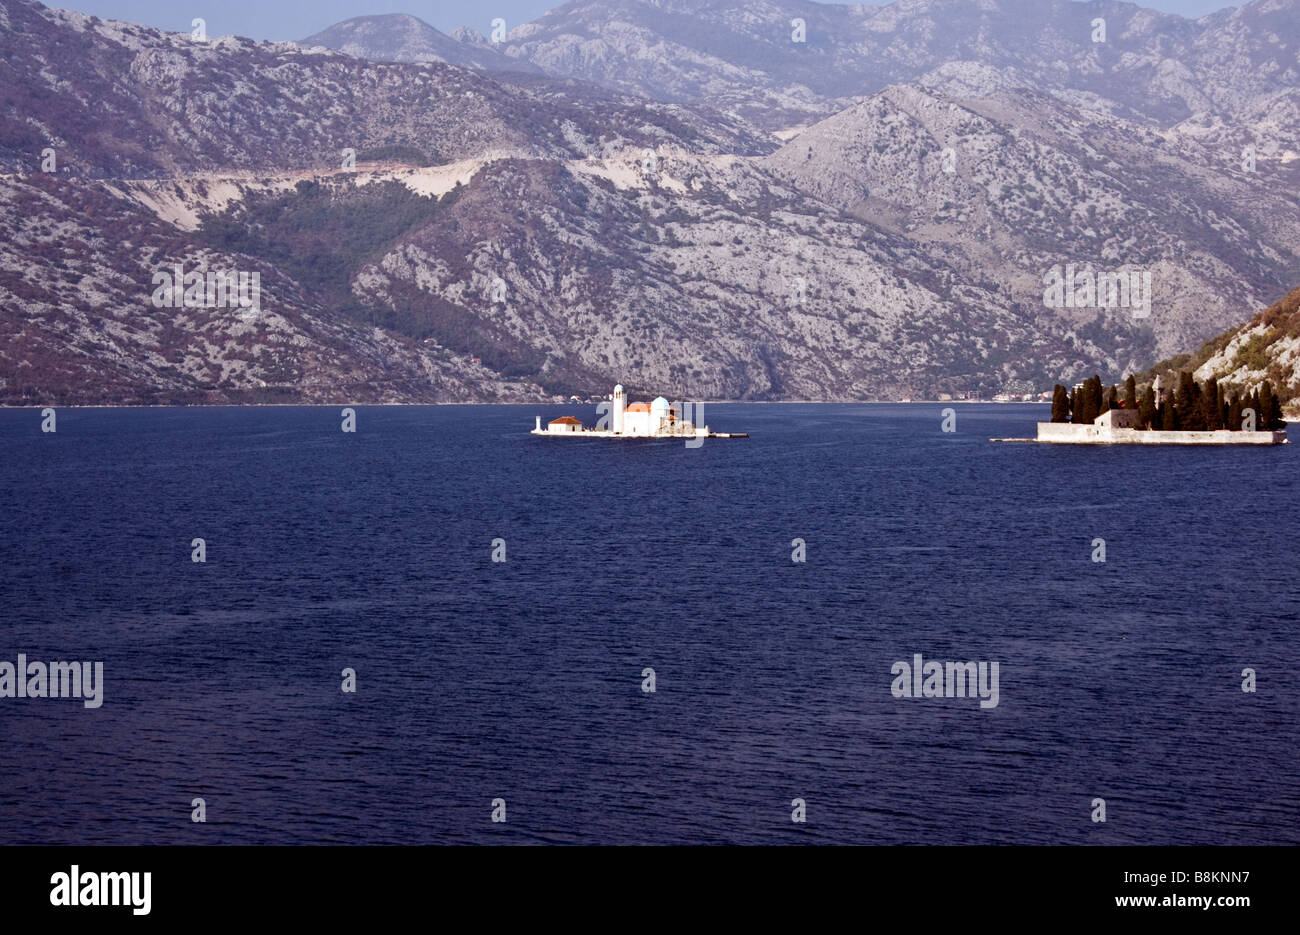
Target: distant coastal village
(969,396)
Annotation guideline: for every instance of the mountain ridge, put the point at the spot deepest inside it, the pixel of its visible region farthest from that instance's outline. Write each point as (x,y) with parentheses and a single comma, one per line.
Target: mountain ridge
(741,58)
(508,235)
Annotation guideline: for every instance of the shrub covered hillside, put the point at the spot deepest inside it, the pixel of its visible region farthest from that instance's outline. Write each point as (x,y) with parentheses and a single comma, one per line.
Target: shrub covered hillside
(1266,348)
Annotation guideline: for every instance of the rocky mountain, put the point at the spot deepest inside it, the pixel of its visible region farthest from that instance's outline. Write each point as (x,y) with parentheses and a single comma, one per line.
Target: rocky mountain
(115,105)
(1019,182)
(78,324)
(710,279)
(118,100)
(510,234)
(783,62)
(704,276)
(400,37)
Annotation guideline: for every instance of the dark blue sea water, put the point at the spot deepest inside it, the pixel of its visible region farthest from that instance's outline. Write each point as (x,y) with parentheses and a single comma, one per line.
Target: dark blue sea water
(522,680)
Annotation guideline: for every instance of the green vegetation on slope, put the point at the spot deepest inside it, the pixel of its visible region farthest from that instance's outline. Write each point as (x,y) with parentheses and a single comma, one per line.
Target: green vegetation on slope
(324,233)
(1260,352)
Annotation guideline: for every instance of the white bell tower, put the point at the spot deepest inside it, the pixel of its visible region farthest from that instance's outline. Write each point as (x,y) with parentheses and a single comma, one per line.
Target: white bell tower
(620,405)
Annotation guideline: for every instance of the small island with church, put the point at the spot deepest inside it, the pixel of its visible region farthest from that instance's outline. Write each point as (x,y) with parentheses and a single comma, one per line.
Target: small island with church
(1191,414)
(658,419)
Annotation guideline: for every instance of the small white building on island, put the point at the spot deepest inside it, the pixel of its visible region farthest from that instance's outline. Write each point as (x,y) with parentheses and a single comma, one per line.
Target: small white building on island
(562,424)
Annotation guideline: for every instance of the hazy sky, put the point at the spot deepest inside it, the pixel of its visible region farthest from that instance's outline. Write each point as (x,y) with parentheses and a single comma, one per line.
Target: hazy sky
(295,19)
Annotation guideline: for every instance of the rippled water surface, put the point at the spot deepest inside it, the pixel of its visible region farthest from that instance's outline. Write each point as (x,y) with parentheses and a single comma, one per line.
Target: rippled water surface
(523,680)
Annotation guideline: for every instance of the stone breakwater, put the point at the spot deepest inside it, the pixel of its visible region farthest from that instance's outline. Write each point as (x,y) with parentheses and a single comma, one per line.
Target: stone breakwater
(1070,434)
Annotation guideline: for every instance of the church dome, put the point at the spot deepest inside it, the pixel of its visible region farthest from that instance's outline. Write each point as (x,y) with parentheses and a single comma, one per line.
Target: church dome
(659,405)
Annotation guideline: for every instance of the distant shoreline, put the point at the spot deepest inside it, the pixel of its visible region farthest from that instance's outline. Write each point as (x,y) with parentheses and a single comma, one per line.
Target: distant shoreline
(711,402)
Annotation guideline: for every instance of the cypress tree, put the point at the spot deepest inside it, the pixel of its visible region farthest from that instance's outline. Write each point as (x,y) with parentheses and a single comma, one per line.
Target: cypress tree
(1092,390)
(1270,413)
(1060,404)
(1212,405)
(1130,393)
(1254,408)
(1169,415)
(1147,414)
(1233,419)
(1186,394)
(1191,416)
